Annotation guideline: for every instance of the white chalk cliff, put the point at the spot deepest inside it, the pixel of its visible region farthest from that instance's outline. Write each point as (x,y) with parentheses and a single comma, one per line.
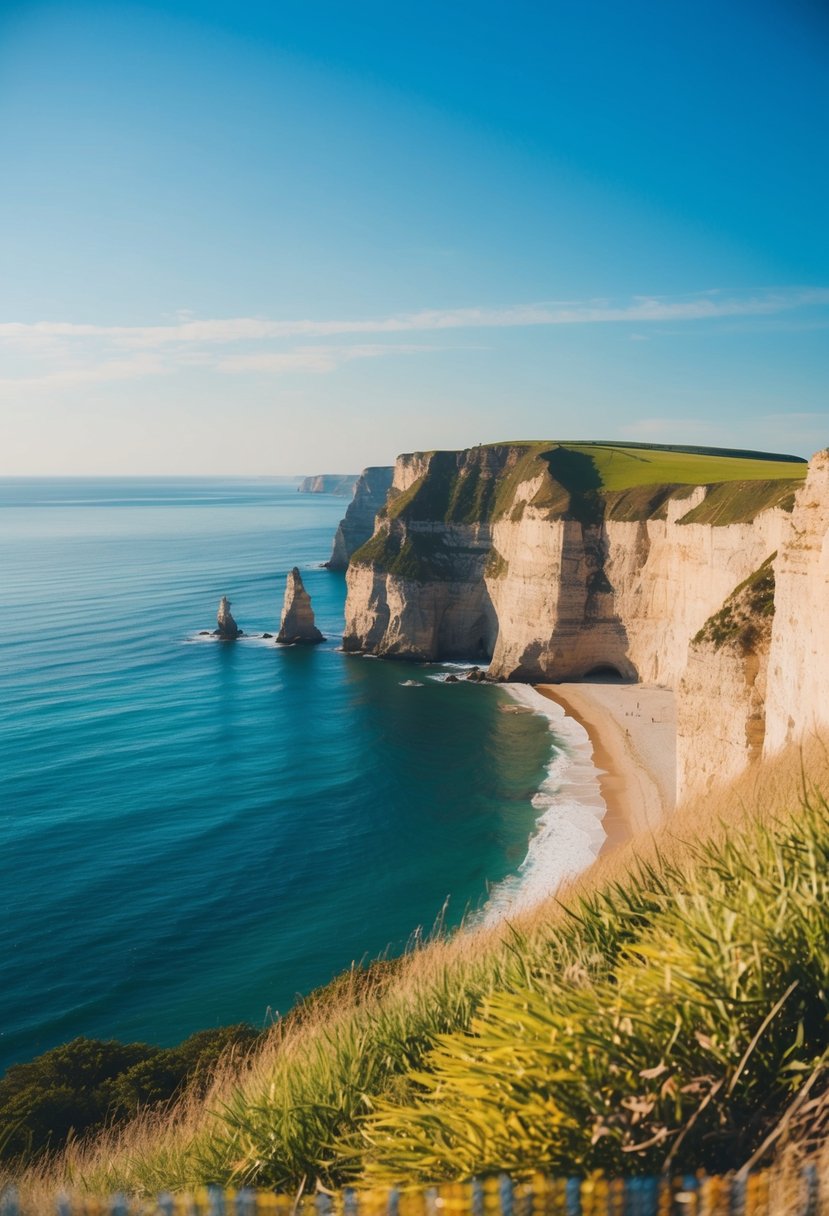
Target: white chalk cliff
(797,699)
(511,552)
(341,484)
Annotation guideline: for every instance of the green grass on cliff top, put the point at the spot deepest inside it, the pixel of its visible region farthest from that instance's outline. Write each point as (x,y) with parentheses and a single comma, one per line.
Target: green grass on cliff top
(624,467)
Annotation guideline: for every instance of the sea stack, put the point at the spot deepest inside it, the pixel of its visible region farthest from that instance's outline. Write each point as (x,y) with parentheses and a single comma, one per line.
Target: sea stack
(226,627)
(297,613)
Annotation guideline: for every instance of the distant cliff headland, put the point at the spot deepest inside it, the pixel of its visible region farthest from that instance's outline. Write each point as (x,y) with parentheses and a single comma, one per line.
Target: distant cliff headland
(700,570)
(341,484)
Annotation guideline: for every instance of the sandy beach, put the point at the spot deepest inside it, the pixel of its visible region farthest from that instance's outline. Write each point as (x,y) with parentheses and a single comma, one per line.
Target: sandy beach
(633,731)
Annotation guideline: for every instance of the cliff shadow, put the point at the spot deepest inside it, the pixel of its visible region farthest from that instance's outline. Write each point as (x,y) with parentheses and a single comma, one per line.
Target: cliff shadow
(577,474)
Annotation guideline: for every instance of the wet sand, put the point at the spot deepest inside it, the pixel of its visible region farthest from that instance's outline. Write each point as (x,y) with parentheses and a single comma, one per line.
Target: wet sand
(633,731)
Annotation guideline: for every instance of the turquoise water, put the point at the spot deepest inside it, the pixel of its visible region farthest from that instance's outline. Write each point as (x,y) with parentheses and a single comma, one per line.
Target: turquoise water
(192,832)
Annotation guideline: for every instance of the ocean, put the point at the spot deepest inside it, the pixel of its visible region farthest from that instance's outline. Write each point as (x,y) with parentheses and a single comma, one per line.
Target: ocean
(194,832)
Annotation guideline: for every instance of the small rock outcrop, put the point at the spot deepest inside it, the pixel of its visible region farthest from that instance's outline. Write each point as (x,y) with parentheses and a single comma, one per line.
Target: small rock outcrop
(477,676)
(226,627)
(297,614)
(370,494)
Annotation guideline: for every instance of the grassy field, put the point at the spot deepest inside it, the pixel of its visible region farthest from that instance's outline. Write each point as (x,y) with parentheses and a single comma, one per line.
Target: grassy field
(621,468)
(670,1010)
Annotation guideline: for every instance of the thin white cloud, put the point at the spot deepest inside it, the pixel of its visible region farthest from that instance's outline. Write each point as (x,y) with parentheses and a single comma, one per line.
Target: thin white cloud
(310,358)
(55,354)
(95,373)
(314,359)
(640,309)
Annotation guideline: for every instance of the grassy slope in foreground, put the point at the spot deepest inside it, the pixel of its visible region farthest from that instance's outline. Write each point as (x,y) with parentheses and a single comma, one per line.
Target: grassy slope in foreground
(670,1011)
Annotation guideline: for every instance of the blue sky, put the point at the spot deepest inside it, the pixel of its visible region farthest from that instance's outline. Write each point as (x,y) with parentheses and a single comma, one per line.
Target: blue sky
(285,237)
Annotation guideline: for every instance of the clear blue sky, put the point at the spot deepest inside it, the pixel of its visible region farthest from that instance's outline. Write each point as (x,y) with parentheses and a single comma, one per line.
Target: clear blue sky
(295,237)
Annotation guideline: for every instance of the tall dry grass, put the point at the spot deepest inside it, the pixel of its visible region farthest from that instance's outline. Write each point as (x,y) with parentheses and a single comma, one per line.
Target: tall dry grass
(291,1112)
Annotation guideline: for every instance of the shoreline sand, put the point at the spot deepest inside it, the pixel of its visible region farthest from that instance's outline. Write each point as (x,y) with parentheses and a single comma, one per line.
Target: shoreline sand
(632,728)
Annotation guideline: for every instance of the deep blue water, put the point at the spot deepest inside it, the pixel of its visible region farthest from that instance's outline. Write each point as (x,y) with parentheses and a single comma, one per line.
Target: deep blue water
(193,832)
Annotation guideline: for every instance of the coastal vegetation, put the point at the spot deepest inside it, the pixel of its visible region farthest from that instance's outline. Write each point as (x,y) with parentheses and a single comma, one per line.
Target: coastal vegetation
(746,613)
(88,1084)
(668,1011)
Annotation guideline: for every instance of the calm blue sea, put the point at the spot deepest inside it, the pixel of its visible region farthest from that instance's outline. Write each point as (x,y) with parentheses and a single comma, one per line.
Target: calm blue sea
(191,832)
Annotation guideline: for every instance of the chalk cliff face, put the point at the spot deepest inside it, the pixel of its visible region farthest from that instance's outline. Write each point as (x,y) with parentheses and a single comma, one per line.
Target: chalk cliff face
(798,685)
(518,553)
(416,589)
(572,596)
(357,526)
(721,701)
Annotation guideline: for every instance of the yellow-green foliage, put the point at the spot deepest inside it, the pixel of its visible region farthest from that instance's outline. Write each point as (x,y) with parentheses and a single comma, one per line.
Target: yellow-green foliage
(745,617)
(676,1017)
(738,502)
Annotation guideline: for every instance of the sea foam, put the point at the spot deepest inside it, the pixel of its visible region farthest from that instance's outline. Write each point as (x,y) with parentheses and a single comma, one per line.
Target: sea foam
(568,833)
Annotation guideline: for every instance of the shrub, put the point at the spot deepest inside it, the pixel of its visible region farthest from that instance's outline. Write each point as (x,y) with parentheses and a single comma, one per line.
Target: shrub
(81,1086)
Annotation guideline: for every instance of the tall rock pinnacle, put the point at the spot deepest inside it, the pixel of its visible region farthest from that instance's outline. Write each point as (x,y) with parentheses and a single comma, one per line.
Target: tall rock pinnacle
(226,627)
(297,613)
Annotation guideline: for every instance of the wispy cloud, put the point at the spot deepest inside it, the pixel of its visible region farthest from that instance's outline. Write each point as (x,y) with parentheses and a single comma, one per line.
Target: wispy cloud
(319,359)
(711,305)
(90,373)
(310,358)
(51,354)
